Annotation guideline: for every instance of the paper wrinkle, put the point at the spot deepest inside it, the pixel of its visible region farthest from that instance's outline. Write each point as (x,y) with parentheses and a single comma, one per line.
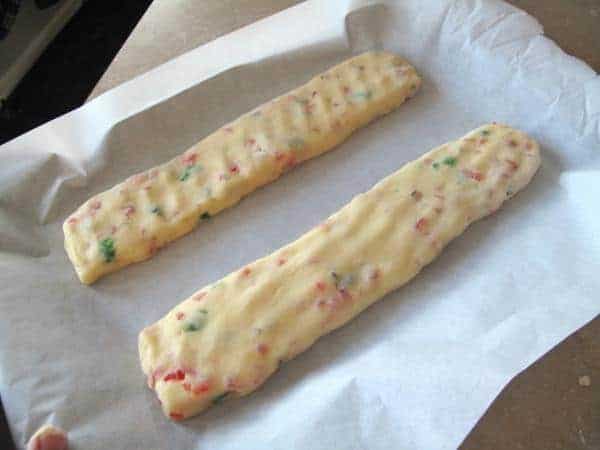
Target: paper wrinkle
(415,371)
(591,107)
(348,399)
(19,236)
(35,177)
(437,33)
(360,36)
(567,87)
(354,5)
(493,29)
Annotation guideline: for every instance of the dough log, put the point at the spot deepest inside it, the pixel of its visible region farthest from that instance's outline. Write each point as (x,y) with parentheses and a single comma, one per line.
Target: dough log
(131,221)
(229,337)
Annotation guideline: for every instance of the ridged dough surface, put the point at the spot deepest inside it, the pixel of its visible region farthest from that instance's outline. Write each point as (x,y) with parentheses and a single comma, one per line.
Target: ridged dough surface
(131,221)
(229,337)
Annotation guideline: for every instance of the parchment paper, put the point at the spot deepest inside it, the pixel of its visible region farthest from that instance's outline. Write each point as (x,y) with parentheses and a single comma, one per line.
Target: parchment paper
(416,370)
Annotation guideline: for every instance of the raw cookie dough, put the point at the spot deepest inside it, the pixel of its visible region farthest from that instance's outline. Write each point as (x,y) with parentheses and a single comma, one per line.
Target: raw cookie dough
(131,221)
(48,437)
(227,338)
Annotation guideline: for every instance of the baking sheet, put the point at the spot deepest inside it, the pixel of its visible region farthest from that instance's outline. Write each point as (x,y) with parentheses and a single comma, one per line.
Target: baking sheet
(414,371)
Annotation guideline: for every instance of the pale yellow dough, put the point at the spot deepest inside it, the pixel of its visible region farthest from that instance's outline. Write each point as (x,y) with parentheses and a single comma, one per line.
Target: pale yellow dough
(230,336)
(129,222)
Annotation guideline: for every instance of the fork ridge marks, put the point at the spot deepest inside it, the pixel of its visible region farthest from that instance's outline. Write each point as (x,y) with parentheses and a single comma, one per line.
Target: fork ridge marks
(131,221)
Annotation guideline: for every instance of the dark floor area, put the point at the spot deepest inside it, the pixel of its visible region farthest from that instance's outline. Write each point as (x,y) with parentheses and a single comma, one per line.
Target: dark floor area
(68,70)
(5,438)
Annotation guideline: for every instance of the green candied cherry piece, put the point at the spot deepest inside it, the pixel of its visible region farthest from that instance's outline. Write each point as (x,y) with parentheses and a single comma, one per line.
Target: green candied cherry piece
(156,210)
(107,248)
(486,132)
(436,165)
(450,161)
(204,216)
(219,398)
(188,171)
(196,322)
(366,95)
(191,327)
(342,282)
